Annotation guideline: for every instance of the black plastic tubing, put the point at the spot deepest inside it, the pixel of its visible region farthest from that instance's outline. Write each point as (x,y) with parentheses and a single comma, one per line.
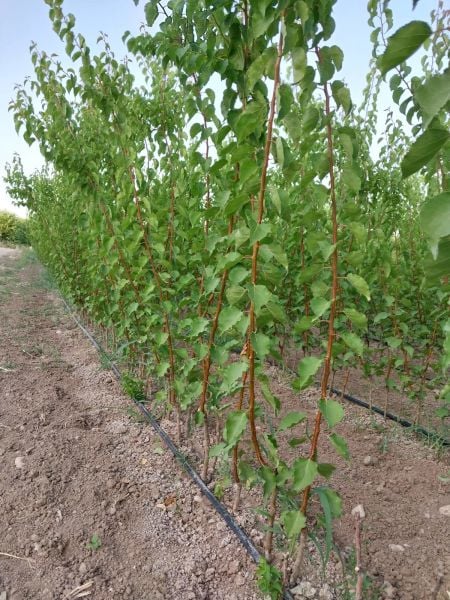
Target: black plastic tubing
(392,417)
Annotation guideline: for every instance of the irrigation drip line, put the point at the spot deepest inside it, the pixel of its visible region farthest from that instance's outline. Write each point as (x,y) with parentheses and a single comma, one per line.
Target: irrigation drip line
(376,409)
(392,417)
(182,460)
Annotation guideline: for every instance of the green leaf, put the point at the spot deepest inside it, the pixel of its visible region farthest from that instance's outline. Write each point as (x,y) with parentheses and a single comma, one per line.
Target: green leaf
(261,344)
(234,293)
(306,370)
(319,306)
(331,504)
(354,342)
(251,120)
(285,100)
(405,41)
(303,324)
(326,470)
(229,260)
(199,324)
(351,179)
(326,249)
(232,372)
(439,267)
(393,342)
(261,231)
(340,445)
(228,317)
(260,22)
(234,427)
(291,419)
(303,474)
(151,13)
(356,317)
(299,62)
(293,522)
(332,411)
(360,285)
(423,150)
(238,274)
(259,295)
(269,481)
(435,219)
(432,95)
(263,64)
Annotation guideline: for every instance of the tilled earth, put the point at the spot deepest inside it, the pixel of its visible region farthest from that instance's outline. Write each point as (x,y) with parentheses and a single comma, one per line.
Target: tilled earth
(89,499)
(91,502)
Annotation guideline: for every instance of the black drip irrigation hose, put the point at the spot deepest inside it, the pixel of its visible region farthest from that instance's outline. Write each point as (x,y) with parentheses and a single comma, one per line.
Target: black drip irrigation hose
(182,460)
(392,417)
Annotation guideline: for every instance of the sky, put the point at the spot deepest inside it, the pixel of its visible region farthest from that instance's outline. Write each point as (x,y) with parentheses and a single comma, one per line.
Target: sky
(24,21)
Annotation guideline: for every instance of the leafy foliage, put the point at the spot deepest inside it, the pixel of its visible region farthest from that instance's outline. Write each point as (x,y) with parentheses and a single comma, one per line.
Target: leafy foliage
(207,227)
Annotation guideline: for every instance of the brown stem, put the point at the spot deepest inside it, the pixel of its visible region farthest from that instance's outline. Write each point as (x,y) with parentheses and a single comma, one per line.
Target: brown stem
(268,538)
(207,365)
(358,568)
(331,330)
(254,276)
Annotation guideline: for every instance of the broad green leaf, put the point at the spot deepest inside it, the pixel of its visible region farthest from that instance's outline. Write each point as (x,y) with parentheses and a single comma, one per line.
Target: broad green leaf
(291,419)
(326,470)
(306,370)
(303,324)
(263,64)
(261,344)
(229,260)
(151,13)
(234,427)
(360,285)
(232,372)
(319,306)
(351,179)
(435,218)
(380,317)
(423,150)
(393,342)
(260,232)
(238,274)
(269,481)
(439,267)
(228,317)
(251,120)
(326,249)
(340,445)
(198,326)
(285,100)
(234,293)
(277,312)
(332,411)
(356,317)
(299,62)
(293,522)
(354,342)
(433,95)
(303,473)
(405,41)
(259,295)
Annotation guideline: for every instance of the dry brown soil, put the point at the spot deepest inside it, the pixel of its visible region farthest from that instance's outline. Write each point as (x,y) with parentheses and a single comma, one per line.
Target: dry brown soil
(74,464)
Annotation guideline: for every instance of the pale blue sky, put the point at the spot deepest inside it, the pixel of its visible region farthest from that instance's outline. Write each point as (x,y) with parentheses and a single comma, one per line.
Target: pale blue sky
(23,21)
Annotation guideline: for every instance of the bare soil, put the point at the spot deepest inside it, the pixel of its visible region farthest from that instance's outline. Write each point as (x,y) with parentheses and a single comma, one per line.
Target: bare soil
(75,465)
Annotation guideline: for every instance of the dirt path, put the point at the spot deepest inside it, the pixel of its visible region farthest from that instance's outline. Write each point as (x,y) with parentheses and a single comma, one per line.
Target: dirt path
(88,496)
